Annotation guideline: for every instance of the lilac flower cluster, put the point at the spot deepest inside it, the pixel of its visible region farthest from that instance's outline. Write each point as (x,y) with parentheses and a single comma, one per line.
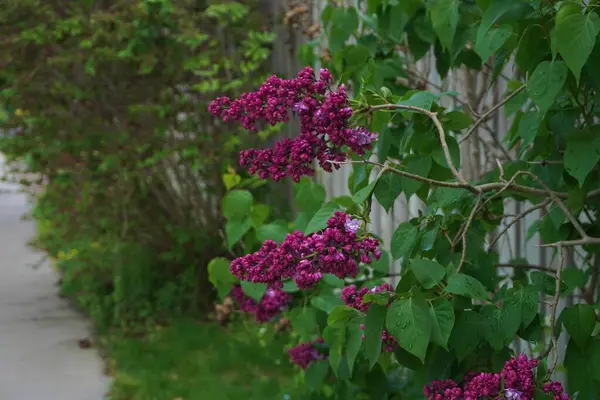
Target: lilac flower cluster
(556,389)
(483,385)
(273,302)
(518,374)
(305,353)
(324,124)
(443,390)
(353,297)
(305,258)
(516,378)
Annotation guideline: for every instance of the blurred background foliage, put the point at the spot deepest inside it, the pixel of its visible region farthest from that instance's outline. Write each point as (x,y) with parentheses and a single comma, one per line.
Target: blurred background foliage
(106,109)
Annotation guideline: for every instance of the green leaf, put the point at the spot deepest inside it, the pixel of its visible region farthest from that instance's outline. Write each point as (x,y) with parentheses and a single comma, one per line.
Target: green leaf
(576,36)
(319,220)
(301,222)
(304,321)
(377,298)
(341,313)
(418,165)
(315,374)
(419,99)
(423,29)
(398,21)
(259,214)
(457,121)
(445,196)
(383,264)
(529,126)
(363,194)
(274,231)
(444,18)
(500,325)
(344,21)
(353,341)
(254,290)
(466,285)
(493,40)
(333,281)
(409,322)
(442,322)
(335,337)
(309,195)
(440,158)
(373,329)
(574,278)
(579,321)
(237,204)
(428,272)
(467,334)
(495,10)
(388,189)
(582,155)
(231,180)
(384,143)
(220,276)
(578,364)
(546,83)
(326,302)
(235,230)
(524,303)
(533,46)
(403,240)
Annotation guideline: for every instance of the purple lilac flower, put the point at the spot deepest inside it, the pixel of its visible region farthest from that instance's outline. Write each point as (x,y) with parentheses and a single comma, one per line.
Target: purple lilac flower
(556,389)
(512,394)
(483,385)
(273,302)
(324,117)
(305,353)
(443,390)
(518,374)
(305,258)
(352,225)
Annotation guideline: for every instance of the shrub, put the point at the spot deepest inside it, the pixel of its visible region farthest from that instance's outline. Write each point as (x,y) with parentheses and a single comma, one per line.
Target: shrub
(448,326)
(109,102)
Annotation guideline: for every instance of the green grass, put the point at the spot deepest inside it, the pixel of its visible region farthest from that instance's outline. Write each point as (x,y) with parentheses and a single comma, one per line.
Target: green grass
(198,361)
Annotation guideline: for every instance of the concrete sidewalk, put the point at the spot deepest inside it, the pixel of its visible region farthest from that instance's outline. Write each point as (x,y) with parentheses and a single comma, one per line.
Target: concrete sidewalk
(40,358)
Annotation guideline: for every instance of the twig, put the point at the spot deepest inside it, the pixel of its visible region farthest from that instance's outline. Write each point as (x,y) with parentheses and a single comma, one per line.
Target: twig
(571,243)
(440,129)
(554,308)
(491,111)
(463,253)
(486,187)
(559,203)
(525,266)
(517,218)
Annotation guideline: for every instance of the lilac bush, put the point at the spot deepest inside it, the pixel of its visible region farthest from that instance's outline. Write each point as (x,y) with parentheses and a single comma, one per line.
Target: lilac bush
(448,311)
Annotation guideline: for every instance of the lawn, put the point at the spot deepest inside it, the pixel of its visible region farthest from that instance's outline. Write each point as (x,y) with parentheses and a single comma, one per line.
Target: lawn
(189,360)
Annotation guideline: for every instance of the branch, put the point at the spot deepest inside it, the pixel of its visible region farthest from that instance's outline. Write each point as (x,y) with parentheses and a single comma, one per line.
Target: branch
(476,189)
(463,253)
(525,266)
(553,309)
(559,203)
(570,243)
(441,133)
(491,111)
(517,218)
